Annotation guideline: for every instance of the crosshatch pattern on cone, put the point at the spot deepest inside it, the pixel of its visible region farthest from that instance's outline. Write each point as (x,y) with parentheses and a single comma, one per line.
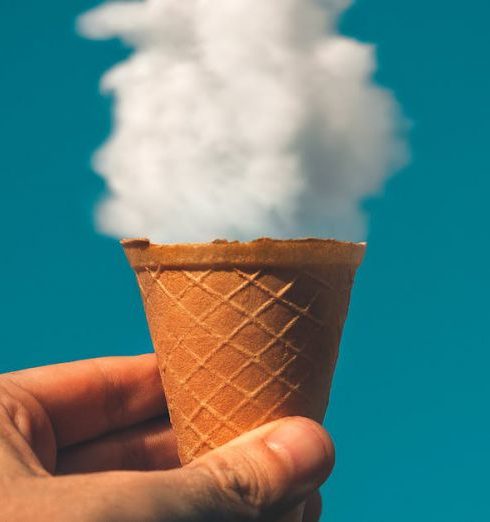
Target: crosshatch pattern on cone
(242,346)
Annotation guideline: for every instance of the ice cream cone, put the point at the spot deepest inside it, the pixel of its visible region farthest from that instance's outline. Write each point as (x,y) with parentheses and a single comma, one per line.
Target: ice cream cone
(245,333)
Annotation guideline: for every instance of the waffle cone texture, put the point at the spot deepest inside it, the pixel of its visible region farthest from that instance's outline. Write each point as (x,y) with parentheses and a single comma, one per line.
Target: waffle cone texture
(245,333)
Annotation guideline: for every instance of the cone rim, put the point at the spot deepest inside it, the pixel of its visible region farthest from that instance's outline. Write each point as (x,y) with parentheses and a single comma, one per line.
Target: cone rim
(143,254)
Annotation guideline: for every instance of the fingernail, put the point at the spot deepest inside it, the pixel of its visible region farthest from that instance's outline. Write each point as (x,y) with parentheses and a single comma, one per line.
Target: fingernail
(301,444)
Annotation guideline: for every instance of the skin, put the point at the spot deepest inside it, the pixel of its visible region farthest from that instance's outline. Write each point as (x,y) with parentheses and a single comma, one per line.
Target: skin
(91,441)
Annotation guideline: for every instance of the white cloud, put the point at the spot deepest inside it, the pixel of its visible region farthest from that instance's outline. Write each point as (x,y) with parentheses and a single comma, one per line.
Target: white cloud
(241,118)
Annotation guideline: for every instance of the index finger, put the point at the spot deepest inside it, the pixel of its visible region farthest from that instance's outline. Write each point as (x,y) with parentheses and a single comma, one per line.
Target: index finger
(85,399)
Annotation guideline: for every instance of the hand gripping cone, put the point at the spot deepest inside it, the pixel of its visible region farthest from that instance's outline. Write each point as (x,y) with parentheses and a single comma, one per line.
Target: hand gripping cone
(245,333)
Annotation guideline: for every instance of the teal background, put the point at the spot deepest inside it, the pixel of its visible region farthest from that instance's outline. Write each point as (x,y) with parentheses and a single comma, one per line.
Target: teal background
(409,409)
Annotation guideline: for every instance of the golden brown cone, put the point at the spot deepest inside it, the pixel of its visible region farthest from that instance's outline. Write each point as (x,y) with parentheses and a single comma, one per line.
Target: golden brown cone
(245,333)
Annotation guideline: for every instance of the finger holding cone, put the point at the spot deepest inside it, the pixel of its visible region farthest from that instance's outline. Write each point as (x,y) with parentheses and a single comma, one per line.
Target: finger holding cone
(245,333)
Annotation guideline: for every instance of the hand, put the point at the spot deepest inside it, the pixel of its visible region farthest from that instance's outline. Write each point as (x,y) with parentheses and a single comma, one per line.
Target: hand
(90,441)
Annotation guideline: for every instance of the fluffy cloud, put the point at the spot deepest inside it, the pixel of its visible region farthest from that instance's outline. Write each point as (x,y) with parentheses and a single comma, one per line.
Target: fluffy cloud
(241,118)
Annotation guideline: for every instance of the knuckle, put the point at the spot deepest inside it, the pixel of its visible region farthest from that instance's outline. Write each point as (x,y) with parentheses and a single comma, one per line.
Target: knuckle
(25,424)
(238,485)
(113,402)
(134,455)
(14,408)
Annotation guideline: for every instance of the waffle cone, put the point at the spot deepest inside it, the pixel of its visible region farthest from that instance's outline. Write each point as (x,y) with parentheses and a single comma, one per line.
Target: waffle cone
(245,333)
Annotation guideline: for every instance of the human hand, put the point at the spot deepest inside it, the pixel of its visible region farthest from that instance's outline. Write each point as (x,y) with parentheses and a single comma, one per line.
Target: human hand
(90,441)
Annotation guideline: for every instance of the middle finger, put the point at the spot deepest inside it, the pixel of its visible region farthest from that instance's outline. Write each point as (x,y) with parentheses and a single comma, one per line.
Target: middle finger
(146,447)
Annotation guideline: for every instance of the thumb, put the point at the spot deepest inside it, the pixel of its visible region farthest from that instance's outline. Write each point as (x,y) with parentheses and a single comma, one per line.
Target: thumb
(258,475)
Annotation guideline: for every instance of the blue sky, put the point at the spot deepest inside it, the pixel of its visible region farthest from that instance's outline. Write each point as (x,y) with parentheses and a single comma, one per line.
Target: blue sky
(409,409)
